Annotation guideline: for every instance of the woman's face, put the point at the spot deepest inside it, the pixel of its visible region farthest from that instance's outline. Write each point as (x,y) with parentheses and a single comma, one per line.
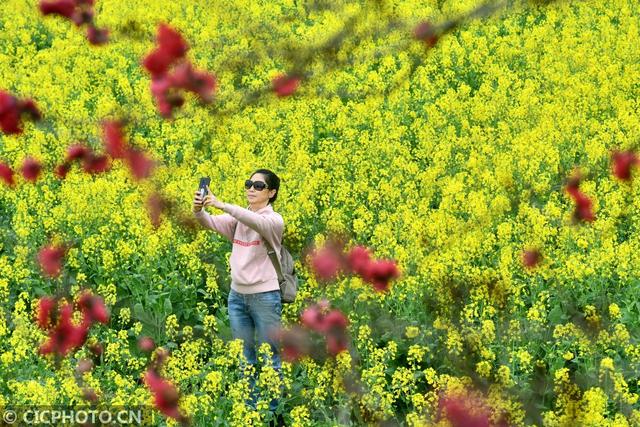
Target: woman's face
(256,197)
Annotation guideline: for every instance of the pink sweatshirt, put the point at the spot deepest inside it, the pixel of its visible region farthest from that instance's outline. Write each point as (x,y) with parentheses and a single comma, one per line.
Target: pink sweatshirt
(251,267)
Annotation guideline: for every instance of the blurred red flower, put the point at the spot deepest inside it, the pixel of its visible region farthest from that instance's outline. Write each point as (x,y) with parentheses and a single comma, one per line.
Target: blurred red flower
(113,139)
(200,83)
(463,412)
(327,263)
(93,163)
(97,36)
(65,8)
(45,311)
(31,169)
(622,163)
(380,273)
(139,164)
(426,32)
(332,325)
(6,173)
(50,259)
(62,170)
(358,259)
(79,12)
(165,395)
(295,342)
(313,318)
(77,151)
(158,62)
(65,336)
(93,308)
(583,205)
(171,46)
(284,85)
(146,344)
(171,41)
(531,258)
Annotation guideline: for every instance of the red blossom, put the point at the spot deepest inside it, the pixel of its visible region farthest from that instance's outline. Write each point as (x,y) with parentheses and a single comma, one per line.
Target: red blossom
(93,163)
(295,342)
(62,170)
(139,164)
(31,169)
(166,96)
(327,263)
(336,343)
(146,344)
(380,273)
(11,111)
(333,326)
(6,173)
(531,258)
(463,412)
(358,259)
(97,36)
(93,308)
(64,8)
(165,395)
(45,311)
(66,336)
(50,259)
(158,62)
(77,151)
(335,319)
(171,41)
(313,318)
(113,139)
(622,163)
(583,210)
(200,83)
(284,85)
(426,32)
(171,46)
(583,205)
(165,86)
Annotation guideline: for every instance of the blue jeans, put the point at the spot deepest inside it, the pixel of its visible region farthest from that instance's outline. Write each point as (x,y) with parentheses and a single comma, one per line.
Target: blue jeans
(259,313)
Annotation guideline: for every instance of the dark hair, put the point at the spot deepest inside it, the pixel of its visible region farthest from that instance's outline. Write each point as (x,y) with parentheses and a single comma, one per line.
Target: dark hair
(273,182)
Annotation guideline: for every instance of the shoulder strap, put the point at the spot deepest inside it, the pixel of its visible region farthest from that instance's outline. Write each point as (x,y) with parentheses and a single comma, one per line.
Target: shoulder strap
(274,258)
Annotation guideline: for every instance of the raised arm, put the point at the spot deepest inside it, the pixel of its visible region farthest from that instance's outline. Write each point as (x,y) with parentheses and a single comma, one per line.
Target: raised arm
(270,227)
(223,224)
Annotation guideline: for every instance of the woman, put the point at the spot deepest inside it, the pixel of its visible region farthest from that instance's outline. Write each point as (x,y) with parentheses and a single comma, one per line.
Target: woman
(254,299)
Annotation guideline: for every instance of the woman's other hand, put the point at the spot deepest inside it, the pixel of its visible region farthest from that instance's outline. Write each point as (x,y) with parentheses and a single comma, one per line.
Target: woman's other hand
(211,200)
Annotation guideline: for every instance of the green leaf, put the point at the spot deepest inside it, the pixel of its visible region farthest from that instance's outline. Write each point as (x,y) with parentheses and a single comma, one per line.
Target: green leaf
(168,307)
(138,311)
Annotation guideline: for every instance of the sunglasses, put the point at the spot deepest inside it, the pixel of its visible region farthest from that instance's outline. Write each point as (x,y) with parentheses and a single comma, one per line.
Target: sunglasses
(258,185)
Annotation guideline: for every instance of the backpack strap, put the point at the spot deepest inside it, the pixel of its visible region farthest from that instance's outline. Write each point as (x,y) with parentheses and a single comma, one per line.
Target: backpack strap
(274,259)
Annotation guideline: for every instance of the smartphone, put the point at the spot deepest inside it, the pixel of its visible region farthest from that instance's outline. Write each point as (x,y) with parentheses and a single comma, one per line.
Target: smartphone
(204,182)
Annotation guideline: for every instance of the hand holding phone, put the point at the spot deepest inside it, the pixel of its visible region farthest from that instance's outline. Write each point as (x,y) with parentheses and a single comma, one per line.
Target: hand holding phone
(198,201)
